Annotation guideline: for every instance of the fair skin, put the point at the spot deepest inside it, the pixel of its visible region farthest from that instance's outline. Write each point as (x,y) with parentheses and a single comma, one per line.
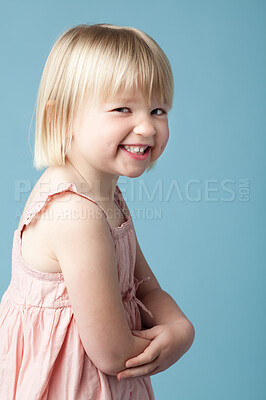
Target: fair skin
(99,130)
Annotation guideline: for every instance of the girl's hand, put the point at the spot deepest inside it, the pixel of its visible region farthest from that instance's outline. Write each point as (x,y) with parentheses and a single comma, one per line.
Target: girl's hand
(168,343)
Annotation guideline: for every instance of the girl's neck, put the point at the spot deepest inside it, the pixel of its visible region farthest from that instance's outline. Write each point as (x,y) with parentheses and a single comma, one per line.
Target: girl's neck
(92,183)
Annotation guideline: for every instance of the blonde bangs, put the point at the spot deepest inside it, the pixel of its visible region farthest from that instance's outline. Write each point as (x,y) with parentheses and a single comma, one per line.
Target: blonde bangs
(125,61)
(96,61)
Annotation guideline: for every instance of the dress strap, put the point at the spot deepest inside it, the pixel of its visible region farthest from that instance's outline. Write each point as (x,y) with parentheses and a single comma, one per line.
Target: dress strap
(121,202)
(36,205)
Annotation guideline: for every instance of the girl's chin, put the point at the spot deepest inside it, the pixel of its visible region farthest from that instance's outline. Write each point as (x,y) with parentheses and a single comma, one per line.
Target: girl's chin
(134,175)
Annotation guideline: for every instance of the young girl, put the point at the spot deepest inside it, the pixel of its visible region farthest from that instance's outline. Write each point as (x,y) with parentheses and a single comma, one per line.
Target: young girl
(84,316)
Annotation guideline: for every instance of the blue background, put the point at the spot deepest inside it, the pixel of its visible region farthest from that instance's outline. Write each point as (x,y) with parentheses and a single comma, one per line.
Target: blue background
(207,247)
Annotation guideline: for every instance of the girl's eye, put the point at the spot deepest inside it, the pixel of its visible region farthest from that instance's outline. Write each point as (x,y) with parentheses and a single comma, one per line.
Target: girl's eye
(158,111)
(161,111)
(121,108)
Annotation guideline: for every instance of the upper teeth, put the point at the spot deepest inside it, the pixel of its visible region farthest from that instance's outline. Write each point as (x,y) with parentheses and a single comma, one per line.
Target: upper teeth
(135,149)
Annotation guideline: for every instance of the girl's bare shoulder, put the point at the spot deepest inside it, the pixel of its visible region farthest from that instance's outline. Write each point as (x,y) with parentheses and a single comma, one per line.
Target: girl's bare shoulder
(37,250)
(52,179)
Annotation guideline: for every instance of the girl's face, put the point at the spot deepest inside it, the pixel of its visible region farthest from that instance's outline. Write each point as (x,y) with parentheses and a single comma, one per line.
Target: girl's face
(101,128)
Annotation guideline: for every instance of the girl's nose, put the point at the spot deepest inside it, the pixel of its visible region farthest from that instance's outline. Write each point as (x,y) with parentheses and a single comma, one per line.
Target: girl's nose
(146,128)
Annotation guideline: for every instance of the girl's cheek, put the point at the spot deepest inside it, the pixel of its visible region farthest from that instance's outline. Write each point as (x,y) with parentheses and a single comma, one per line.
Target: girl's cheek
(159,152)
(164,143)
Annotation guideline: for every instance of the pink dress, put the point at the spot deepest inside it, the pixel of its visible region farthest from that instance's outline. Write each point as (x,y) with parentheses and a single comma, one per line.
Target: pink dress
(41,354)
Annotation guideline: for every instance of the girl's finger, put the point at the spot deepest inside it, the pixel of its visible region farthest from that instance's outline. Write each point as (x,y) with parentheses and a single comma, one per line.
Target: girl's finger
(149,354)
(143,370)
(146,333)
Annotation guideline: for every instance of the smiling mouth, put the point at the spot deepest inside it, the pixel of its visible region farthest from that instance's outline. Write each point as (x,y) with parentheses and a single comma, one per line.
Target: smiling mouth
(137,155)
(131,149)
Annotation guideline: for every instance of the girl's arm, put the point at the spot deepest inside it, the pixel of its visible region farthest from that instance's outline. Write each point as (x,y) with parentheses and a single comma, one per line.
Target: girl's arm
(171,333)
(162,305)
(85,251)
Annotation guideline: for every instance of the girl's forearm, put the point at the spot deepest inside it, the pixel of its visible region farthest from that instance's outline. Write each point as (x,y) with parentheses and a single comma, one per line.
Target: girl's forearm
(131,348)
(164,309)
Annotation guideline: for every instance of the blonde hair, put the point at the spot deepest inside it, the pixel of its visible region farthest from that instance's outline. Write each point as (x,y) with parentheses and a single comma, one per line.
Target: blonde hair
(95,60)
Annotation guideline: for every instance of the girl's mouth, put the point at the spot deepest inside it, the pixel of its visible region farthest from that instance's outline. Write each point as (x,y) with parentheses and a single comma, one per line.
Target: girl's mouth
(137,156)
